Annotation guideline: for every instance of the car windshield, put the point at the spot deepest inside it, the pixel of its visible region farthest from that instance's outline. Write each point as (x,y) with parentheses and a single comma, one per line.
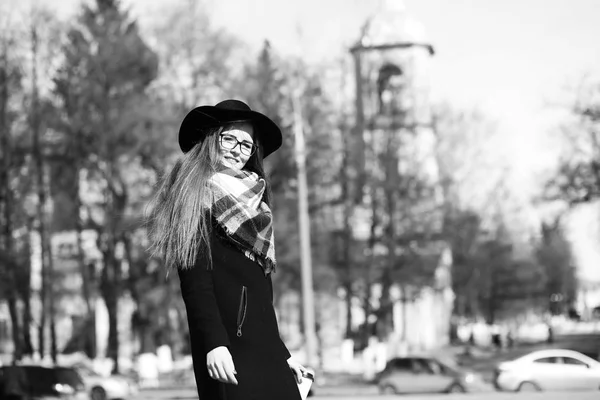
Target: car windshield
(69,377)
(447,365)
(84,370)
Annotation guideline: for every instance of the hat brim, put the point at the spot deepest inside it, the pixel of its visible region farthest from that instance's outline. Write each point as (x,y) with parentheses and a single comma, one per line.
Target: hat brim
(196,123)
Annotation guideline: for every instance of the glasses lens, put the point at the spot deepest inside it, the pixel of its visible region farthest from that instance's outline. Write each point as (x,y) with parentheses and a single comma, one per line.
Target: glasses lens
(228,141)
(247,148)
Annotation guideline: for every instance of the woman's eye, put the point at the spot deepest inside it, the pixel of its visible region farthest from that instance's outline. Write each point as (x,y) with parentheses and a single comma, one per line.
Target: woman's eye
(247,146)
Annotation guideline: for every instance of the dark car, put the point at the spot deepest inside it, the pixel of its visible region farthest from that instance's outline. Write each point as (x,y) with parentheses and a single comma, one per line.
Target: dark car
(47,382)
(426,375)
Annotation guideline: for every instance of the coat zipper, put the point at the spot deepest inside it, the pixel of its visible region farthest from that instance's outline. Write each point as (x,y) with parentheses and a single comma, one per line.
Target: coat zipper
(242,310)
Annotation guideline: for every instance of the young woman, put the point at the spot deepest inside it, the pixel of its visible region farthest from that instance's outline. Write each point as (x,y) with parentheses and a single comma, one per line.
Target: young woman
(212,222)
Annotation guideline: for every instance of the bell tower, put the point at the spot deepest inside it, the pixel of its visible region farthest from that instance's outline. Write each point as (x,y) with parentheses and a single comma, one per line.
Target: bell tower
(401,211)
(391,66)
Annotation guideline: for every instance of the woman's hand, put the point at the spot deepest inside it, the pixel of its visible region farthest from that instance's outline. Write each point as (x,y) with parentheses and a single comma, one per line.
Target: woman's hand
(296,368)
(220,365)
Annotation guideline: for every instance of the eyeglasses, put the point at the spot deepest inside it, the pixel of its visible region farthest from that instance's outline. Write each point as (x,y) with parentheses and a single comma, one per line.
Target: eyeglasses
(230,142)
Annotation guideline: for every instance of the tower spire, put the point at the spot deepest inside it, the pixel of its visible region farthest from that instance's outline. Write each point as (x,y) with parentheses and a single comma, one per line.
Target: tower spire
(397,6)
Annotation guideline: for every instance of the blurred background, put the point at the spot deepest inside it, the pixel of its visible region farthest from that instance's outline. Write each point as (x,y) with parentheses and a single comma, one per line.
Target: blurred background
(452,161)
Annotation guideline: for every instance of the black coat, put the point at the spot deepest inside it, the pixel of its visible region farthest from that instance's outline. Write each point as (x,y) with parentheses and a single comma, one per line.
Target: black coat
(232,305)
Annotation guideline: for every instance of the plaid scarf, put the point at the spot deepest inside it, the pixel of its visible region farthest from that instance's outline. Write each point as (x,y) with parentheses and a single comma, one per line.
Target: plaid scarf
(247,220)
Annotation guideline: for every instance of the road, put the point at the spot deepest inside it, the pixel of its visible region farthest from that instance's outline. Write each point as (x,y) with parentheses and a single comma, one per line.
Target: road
(187,394)
(472,396)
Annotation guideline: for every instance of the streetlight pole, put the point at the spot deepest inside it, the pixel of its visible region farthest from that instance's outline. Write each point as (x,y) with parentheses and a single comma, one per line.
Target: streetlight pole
(308,306)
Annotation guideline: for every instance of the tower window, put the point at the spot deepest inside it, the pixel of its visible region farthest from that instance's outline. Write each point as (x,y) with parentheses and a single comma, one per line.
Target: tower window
(389,83)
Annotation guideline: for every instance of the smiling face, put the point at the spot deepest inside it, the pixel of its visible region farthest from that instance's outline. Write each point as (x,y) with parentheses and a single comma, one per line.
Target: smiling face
(236,145)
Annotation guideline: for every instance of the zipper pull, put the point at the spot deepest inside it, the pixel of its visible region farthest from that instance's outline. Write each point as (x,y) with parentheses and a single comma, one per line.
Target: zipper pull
(239,331)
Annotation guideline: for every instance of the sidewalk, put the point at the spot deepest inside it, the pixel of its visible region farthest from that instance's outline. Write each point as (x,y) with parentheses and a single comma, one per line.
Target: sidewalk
(350,390)
(188,393)
(167,393)
(328,384)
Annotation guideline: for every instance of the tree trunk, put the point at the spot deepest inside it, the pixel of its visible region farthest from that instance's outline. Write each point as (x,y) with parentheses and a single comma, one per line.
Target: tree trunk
(112,273)
(359,146)
(348,299)
(347,261)
(113,333)
(86,278)
(26,296)
(347,279)
(386,278)
(146,337)
(47,296)
(16,327)
(114,206)
(42,325)
(348,266)
(53,289)
(141,322)
(367,309)
(385,307)
(367,270)
(109,286)
(404,313)
(27,318)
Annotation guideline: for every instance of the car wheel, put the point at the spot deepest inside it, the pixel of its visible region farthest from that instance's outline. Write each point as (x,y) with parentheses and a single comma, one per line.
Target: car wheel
(388,389)
(528,387)
(98,394)
(456,388)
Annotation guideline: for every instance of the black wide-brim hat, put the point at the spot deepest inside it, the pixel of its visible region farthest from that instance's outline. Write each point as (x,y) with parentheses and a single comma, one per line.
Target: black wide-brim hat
(194,126)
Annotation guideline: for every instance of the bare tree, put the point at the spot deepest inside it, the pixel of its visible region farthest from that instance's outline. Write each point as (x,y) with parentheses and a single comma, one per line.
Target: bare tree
(42,188)
(577,179)
(197,63)
(117,67)
(554,253)
(10,83)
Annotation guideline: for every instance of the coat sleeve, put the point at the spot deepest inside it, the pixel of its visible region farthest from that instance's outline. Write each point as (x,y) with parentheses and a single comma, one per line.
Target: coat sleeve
(204,318)
(281,344)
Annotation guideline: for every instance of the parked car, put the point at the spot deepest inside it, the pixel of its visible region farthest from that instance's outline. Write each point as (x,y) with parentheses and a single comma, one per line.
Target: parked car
(426,375)
(549,370)
(49,382)
(106,387)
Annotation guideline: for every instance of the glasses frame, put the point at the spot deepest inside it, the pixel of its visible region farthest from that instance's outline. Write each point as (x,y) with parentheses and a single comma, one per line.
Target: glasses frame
(239,143)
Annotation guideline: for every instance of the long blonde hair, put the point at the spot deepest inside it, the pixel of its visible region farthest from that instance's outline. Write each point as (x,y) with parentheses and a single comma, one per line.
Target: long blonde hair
(180,225)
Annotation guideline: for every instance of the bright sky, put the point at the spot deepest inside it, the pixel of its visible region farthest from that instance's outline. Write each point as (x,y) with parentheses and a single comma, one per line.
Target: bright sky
(510,58)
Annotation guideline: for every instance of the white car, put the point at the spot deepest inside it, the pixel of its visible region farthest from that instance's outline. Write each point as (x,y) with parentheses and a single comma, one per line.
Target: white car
(107,387)
(549,370)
